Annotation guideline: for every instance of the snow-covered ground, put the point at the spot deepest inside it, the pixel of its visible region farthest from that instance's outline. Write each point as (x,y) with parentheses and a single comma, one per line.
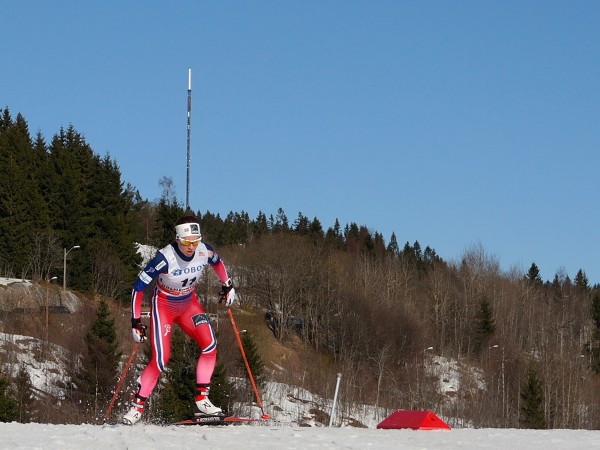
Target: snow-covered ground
(7,281)
(271,437)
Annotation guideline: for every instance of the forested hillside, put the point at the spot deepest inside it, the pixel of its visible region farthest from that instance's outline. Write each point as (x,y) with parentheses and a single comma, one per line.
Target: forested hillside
(375,311)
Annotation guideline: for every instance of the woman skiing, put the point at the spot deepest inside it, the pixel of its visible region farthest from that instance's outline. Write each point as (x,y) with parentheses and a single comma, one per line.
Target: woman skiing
(177,268)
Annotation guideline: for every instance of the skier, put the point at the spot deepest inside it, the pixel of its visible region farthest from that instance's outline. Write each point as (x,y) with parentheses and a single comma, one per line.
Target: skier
(178,267)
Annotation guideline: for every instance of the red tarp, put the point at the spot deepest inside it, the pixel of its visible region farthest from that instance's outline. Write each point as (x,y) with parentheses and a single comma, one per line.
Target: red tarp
(416,420)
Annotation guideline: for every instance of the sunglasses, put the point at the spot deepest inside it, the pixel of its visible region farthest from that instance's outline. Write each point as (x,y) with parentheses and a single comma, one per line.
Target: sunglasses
(187,243)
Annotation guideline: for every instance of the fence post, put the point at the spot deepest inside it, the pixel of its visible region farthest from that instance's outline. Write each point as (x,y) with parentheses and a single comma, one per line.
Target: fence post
(335,396)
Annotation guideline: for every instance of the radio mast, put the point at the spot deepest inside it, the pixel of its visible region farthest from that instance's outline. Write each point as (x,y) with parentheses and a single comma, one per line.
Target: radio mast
(189,126)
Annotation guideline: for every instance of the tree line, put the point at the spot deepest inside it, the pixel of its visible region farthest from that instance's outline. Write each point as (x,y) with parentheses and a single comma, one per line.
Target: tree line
(378,311)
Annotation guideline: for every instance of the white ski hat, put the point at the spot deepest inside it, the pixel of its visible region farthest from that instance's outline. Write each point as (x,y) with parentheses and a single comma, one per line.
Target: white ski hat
(187,229)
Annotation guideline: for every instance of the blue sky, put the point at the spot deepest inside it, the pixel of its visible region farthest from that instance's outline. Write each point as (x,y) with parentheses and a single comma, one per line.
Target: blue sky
(455,124)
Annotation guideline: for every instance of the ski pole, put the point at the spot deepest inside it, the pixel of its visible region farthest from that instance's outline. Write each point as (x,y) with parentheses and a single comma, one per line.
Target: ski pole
(239,341)
(121,381)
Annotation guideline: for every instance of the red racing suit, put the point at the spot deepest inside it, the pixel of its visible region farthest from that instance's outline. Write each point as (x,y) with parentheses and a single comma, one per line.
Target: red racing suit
(174,301)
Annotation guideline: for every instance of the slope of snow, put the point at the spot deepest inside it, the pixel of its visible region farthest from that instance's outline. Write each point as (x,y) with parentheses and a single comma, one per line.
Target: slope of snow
(271,437)
(7,281)
(47,374)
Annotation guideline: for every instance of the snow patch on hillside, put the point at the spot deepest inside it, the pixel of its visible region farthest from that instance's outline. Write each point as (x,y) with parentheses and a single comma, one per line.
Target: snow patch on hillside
(147,252)
(48,374)
(7,281)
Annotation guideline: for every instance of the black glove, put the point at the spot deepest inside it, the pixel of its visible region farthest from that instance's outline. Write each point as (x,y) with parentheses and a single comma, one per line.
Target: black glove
(138,331)
(227,293)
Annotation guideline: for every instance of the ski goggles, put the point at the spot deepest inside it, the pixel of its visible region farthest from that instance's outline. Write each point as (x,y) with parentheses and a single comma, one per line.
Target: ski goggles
(188,243)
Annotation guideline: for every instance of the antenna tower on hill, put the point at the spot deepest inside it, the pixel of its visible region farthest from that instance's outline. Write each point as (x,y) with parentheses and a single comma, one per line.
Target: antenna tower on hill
(189,127)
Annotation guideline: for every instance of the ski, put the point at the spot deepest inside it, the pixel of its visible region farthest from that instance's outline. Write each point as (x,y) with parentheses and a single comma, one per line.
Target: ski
(216,420)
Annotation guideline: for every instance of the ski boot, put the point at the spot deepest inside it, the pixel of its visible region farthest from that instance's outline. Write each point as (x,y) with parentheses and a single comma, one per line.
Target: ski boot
(135,413)
(203,406)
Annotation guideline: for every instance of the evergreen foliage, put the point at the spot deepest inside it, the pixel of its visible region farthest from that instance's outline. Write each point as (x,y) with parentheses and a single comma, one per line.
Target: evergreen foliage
(581,281)
(98,375)
(63,190)
(9,407)
(533,275)
(254,360)
(24,395)
(221,390)
(486,325)
(178,390)
(532,409)
(260,227)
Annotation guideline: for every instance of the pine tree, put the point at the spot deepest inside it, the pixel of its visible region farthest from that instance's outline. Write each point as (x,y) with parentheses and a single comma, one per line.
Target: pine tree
(533,275)
(211,226)
(179,384)
(261,227)
(393,246)
(532,409)
(411,255)
(300,225)
(430,256)
(378,244)
(221,390)
(113,256)
(167,214)
(351,237)
(334,237)
(170,407)
(315,230)
(99,373)
(9,408)
(20,200)
(281,222)
(486,325)
(24,395)
(581,281)
(236,228)
(72,171)
(254,360)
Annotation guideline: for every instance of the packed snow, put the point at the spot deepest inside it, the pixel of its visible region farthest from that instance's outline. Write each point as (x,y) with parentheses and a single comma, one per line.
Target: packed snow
(271,437)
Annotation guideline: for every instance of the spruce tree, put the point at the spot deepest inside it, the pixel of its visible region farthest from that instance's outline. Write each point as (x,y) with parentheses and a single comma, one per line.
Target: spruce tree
(281,222)
(581,281)
(167,214)
(71,161)
(334,237)
(24,395)
(113,217)
(486,326)
(170,407)
(300,225)
(212,228)
(532,395)
(392,247)
(533,275)
(315,231)
(176,398)
(254,360)
(20,200)
(221,390)
(99,373)
(9,408)
(261,227)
